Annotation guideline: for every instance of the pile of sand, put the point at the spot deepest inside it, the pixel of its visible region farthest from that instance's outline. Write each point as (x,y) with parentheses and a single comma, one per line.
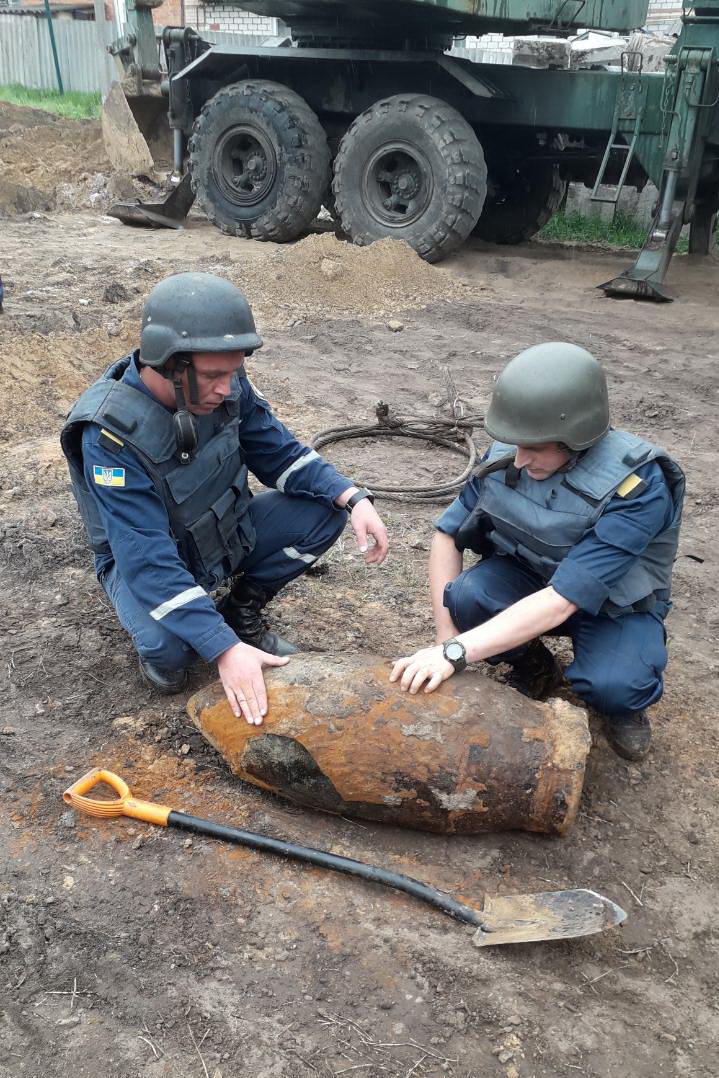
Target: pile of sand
(41,377)
(323,275)
(40,152)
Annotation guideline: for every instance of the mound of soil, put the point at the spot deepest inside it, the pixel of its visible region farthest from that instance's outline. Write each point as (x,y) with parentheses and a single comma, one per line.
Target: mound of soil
(39,152)
(40,380)
(324,275)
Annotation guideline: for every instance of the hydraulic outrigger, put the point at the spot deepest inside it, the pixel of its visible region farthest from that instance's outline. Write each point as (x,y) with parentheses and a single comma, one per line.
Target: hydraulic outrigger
(689,144)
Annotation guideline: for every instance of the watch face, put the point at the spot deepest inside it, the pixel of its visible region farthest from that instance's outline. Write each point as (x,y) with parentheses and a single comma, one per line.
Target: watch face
(454,651)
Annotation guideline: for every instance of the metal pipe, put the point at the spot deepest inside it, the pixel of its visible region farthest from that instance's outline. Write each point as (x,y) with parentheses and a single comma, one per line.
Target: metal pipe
(51,31)
(665,213)
(177,151)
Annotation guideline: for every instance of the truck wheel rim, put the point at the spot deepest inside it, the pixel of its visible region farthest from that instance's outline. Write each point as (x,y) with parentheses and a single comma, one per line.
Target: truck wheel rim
(397,184)
(244,164)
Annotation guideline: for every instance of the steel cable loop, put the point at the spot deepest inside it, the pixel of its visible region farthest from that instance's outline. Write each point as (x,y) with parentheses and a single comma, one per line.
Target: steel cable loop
(453,434)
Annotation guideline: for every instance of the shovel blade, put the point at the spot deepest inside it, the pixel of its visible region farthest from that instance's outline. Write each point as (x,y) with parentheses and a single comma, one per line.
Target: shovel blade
(552,915)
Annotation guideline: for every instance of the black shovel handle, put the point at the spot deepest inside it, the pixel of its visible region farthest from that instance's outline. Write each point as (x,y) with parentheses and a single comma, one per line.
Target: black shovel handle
(323,859)
(127,805)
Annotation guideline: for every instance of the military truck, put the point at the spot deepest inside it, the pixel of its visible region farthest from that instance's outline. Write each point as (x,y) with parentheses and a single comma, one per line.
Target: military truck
(362,108)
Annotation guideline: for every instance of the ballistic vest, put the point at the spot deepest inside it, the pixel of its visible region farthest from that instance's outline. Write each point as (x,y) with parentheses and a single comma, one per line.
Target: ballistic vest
(206,498)
(541,520)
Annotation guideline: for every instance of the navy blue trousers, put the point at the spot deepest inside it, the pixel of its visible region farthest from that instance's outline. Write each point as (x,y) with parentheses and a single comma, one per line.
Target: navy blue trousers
(618,662)
(291,534)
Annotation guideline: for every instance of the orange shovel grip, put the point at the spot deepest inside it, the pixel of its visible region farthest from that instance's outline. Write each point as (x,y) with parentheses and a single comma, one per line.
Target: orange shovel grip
(123,805)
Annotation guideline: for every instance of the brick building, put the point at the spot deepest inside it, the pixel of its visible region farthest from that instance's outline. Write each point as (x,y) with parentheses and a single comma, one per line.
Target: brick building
(663,15)
(230,18)
(213,16)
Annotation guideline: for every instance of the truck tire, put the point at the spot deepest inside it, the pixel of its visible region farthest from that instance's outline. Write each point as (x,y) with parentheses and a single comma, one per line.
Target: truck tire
(521,198)
(411,168)
(259,161)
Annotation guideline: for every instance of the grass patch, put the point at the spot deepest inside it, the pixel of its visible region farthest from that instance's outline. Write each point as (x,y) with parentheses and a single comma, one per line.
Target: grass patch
(623,233)
(72,105)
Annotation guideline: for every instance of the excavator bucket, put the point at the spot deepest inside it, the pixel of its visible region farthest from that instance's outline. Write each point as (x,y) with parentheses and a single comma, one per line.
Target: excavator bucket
(135,131)
(170,213)
(137,140)
(149,112)
(125,145)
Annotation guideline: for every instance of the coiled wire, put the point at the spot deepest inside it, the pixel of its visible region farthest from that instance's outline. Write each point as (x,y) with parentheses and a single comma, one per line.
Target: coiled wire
(454,434)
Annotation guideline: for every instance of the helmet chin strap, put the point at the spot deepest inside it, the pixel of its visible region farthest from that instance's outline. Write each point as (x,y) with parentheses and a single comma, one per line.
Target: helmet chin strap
(183,421)
(574,455)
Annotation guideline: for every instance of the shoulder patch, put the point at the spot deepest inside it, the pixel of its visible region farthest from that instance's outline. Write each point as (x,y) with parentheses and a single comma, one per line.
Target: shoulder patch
(110,441)
(630,487)
(108,477)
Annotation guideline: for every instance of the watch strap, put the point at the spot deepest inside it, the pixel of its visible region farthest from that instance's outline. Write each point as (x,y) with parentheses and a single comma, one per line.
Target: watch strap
(358,496)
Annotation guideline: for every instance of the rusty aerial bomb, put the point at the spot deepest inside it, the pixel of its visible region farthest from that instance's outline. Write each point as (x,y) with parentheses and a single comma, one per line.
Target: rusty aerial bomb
(472,757)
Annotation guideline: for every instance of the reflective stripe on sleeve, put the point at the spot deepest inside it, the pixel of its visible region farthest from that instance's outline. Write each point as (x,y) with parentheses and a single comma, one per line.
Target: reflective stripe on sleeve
(293,552)
(295,467)
(181,599)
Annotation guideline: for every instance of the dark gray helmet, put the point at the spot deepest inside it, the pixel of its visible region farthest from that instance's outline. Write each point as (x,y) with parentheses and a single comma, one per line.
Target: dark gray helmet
(553,392)
(195,312)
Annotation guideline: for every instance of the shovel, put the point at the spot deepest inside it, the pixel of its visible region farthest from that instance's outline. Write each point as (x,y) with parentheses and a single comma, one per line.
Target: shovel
(553,915)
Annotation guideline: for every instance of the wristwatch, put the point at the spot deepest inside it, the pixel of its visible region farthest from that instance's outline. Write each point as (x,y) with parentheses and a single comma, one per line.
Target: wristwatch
(358,496)
(455,653)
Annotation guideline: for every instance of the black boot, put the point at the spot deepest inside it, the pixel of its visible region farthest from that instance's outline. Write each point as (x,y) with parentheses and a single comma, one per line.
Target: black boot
(165,681)
(241,609)
(629,735)
(537,673)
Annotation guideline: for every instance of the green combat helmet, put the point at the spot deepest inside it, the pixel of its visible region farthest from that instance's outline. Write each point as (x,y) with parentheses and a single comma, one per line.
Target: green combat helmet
(553,392)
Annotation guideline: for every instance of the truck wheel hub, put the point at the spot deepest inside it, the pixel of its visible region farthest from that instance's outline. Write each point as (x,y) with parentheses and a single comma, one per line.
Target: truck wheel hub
(244,164)
(397,184)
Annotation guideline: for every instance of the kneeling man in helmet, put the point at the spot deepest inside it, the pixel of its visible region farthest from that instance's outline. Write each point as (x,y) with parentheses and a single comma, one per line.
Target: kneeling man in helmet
(159,450)
(577,526)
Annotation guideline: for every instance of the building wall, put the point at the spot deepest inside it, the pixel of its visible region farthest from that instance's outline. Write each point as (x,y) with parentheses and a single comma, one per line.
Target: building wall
(213,16)
(170,13)
(663,14)
(232,19)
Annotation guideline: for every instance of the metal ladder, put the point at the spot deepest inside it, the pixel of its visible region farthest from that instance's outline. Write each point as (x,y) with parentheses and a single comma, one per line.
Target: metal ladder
(629,107)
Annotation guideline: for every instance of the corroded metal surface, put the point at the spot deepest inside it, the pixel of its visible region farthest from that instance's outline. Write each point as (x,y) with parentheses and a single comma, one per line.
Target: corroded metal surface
(473,756)
(553,915)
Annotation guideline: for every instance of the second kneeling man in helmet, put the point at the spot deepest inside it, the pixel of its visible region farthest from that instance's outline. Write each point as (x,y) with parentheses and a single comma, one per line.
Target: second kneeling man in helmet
(159,450)
(577,527)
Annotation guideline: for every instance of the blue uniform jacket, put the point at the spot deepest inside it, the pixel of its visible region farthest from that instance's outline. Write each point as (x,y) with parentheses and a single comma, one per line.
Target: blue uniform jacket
(138,528)
(604,554)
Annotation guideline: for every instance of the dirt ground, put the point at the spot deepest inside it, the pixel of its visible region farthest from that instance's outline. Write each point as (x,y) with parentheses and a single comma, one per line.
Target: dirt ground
(48,162)
(135,953)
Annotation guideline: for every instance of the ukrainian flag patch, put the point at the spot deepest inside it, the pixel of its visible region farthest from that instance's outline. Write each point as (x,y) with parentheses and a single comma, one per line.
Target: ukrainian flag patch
(108,477)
